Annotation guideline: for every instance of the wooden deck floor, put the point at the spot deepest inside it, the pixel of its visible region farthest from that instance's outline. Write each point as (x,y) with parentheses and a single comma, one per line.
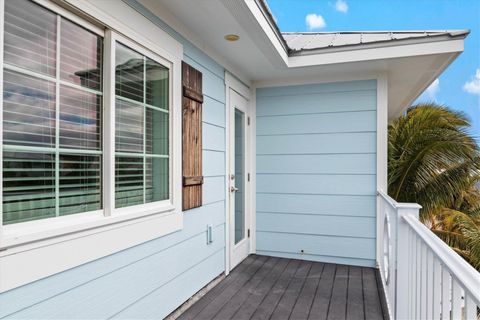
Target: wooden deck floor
(274,288)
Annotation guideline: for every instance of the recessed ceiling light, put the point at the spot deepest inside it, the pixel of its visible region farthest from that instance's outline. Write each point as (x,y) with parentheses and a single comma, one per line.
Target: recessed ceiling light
(232,37)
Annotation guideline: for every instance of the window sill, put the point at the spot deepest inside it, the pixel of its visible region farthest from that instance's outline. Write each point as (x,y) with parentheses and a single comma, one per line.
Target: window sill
(28,235)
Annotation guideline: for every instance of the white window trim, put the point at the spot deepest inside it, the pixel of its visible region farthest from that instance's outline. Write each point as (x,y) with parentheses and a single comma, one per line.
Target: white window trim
(112,229)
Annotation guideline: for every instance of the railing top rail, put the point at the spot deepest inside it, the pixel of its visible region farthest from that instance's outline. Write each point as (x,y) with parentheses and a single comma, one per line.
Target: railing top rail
(462,271)
(396,204)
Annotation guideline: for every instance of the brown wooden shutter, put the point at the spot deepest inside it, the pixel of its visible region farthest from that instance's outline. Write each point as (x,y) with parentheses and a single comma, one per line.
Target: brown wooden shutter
(192,137)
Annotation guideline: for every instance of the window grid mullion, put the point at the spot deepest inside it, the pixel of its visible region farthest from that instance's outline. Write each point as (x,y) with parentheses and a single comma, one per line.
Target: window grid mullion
(108,128)
(48,78)
(144,128)
(57,119)
(2,22)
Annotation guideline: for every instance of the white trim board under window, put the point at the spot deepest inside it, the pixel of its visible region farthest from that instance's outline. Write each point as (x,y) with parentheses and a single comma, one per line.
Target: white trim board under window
(58,243)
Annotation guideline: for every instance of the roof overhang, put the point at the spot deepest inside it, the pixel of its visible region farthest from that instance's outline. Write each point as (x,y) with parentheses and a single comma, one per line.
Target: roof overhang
(262,58)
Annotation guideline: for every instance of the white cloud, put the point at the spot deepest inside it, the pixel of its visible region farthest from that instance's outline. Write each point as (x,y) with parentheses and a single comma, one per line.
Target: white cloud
(473,86)
(433,89)
(341,5)
(314,21)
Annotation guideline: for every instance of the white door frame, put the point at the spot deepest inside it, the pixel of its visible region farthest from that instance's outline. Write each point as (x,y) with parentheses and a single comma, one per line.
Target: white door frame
(232,83)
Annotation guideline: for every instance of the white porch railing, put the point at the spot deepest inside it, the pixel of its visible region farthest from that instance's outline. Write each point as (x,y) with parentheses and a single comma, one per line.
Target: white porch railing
(423,277)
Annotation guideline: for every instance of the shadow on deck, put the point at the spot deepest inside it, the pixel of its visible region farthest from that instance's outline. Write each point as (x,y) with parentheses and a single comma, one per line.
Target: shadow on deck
(275,288)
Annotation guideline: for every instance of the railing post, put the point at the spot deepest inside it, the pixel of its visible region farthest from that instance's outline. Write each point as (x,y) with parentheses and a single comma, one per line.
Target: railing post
(402,259)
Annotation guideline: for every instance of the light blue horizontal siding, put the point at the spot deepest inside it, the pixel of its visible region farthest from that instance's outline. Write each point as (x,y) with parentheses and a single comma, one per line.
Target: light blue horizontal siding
(317,163)
(129,284)
(328,88)
(316,184)
(324,143)
(316,172)
(319,258)
(317,123)
(152,279)
(213,112)
(213,163)
(345,205)
(213,137)
(355,101)
(213,189)
(151,306)
(333,246)
(327,225)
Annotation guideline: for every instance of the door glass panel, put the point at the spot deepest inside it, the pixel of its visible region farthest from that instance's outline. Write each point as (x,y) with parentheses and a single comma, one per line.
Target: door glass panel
(239,176)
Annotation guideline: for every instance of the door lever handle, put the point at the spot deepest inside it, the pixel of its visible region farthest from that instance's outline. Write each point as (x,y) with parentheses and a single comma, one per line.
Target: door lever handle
(233,189)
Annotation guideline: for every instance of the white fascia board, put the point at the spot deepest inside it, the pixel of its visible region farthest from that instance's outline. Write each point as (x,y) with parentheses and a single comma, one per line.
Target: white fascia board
(388,52)
(267,28)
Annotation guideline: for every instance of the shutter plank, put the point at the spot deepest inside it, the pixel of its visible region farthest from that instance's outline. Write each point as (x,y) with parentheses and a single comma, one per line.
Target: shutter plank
(192,137)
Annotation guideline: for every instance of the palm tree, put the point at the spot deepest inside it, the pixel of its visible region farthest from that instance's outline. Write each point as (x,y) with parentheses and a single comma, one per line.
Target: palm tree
(434,161)
(461,232)
(431,157)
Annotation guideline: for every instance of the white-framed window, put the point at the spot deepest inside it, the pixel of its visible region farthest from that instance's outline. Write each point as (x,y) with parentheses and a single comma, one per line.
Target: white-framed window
(86,126)
(52,115)
(142,128)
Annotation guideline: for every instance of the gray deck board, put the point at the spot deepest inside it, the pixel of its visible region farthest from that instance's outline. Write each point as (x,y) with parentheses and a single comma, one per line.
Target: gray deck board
(258,295)
(321,302)
(373,307)
(355,294)
(338,303)
(266,308)
(276,288)
(304,302)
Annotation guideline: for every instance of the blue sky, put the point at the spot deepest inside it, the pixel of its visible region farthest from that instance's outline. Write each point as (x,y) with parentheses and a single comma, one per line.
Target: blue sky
(459,85)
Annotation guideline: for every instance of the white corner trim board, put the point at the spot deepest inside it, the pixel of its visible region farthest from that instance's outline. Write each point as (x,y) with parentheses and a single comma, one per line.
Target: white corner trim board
(57,244)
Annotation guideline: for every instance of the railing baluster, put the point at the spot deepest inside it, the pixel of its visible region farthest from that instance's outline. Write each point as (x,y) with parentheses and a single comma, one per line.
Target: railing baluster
(456,300)
(423,283)
(418,251)
(429,284)
(446,293)
(411,289)
(470,308)
(437,290)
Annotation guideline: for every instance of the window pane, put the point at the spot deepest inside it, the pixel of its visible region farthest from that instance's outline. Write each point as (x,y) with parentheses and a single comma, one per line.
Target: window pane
(79,119)
(30,36)
(28,186)
(156,84)
(80,56)
(80,183)
(129,65)
(239,176)
(141,129)
(156,132)
(156,179)
(28,111)
(128,127)
(128,181)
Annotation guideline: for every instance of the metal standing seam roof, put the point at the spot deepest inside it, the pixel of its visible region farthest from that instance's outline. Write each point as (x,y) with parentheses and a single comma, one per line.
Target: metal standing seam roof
(296,43)
(300,41)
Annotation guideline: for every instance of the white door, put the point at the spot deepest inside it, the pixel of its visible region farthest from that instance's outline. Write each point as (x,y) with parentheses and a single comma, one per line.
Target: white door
(239,215)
